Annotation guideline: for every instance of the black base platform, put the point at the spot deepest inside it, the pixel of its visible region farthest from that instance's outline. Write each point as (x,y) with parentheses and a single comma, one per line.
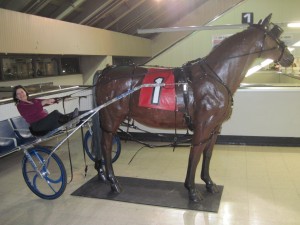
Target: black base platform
(151,192)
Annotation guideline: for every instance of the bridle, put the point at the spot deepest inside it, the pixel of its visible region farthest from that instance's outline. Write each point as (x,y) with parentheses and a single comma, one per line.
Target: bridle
(274,33)
(280,44)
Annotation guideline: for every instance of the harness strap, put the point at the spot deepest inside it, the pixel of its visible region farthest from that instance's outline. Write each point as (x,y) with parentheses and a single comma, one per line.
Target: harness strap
(186,99)
(175,137)
(182,76)
(217,78)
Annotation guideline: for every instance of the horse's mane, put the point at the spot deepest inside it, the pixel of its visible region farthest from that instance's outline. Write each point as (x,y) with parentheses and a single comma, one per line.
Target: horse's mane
(238,40)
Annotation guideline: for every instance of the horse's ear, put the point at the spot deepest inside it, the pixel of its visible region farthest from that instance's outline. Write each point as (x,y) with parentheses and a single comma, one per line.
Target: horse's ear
(259,22)
(266,21)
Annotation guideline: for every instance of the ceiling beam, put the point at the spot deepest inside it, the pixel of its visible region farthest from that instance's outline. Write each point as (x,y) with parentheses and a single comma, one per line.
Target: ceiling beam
(124,14)
(70,9)
(95,12)
(107,10)
(37,6)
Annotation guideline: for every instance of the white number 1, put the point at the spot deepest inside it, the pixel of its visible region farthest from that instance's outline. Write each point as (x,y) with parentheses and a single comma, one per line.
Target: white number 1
(156,92)
(247,16)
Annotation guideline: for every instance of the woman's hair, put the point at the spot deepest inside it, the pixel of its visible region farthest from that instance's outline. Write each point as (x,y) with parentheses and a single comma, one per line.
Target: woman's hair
(16,100)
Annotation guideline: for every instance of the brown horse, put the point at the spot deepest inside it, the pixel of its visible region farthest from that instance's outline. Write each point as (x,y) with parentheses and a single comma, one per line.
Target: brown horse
(202,105)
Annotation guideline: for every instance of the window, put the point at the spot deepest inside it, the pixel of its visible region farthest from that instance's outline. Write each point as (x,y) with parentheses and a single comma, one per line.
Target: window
(26,67)
(70,65)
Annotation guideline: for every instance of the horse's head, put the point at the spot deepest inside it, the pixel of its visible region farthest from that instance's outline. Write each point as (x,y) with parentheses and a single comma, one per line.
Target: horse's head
(271,46)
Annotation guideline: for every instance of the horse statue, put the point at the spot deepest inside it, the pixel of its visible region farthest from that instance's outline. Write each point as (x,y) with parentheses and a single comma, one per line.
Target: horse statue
(203,96)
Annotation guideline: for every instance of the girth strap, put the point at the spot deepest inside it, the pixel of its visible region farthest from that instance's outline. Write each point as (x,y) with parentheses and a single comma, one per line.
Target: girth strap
(182,77)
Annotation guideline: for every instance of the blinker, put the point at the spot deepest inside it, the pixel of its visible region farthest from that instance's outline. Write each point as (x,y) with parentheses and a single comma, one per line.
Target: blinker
(276,31)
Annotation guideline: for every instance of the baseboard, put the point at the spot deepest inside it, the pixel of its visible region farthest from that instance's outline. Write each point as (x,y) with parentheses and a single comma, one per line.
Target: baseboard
(222,139)
(259,140)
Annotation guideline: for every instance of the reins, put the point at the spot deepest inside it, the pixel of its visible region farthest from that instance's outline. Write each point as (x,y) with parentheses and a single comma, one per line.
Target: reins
(255,52)
(63,98)
(184,138)
(70,95)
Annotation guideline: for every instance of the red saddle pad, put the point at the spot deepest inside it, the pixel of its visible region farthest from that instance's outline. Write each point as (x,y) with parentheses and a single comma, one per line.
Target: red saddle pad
(160,97)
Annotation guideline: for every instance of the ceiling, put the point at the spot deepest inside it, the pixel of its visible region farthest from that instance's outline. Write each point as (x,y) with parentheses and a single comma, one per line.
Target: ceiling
(125,16)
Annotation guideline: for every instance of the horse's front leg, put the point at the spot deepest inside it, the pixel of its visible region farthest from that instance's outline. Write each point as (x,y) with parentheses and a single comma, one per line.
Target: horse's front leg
(106,143)
(207,153)
(194,158)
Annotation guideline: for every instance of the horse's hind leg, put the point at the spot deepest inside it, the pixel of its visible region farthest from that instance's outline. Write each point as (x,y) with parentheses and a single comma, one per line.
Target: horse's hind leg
(207,153)
(96,147)
(106,143)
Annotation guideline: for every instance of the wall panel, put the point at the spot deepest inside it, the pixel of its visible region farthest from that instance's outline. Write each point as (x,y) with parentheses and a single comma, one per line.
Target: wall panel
(23,33)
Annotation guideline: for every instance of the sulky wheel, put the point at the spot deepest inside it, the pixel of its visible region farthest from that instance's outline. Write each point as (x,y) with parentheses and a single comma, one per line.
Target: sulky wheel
(44,173)
(116,147)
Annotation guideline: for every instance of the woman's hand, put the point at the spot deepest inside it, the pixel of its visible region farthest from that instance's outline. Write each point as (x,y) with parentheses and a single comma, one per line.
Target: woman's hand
(49,101)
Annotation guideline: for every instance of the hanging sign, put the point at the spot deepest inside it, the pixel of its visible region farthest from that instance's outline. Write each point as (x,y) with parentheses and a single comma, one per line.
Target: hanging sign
(247,18)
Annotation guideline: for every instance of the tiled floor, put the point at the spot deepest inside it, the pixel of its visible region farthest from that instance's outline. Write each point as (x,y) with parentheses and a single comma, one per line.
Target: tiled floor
(261,187)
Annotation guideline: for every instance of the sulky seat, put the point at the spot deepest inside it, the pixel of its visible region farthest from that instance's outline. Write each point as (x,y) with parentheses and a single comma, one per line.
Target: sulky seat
(8,139)
(21,129)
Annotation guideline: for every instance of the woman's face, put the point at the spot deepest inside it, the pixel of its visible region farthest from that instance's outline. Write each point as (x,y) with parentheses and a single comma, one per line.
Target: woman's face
(21,94)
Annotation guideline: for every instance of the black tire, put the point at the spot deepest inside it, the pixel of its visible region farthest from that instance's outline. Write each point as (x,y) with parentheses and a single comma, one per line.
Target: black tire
(116,148)
(51,182)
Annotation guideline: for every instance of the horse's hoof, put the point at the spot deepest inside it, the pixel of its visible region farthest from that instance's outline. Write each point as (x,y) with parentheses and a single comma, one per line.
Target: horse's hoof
(212,188)
(195,195)
(116,188)
(101,176)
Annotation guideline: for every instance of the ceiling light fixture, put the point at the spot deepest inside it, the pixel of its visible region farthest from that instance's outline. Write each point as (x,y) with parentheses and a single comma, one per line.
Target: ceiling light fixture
(294,25)
(206,27)
(192,28)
